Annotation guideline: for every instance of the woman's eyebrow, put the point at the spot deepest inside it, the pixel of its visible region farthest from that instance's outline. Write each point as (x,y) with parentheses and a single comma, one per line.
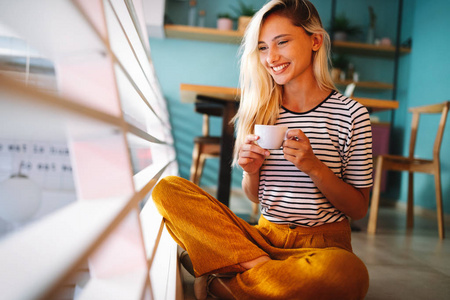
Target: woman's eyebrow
(276,37)
(280,36)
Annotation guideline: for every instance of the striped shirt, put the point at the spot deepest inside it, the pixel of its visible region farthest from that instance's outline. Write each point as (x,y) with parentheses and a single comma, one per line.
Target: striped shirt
(339,132)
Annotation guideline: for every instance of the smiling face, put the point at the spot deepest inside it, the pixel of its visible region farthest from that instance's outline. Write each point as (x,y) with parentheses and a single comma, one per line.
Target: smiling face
(286,50)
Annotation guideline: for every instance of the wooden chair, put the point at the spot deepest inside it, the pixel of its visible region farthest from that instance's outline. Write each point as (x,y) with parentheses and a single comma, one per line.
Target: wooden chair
(205,146)
(254,215)
(413,164)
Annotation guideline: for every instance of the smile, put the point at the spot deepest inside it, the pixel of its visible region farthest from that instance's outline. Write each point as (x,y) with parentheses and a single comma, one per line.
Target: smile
(280,67)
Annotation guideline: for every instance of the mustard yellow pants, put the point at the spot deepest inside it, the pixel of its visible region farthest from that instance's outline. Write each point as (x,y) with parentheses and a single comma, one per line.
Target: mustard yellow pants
(307,263)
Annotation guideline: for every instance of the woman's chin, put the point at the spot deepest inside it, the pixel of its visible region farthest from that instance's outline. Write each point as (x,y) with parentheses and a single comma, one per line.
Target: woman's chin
(280,80)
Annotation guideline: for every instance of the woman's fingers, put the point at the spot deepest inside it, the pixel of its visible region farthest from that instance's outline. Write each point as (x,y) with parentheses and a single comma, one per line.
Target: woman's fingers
(296,134)
(251,156)
(252,149)
(251,138)
(296,139)
(243,161)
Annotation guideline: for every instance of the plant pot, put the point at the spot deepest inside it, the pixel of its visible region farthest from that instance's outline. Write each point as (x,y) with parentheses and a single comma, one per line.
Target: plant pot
(340,36)
(243,22)
(371,36)
(335,74)
(224,24)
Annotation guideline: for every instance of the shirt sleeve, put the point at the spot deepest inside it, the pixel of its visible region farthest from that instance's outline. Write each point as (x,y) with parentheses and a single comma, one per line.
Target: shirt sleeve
(358,164)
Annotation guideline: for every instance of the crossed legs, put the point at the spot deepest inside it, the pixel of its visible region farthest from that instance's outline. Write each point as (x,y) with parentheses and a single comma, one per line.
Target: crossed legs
(314,266)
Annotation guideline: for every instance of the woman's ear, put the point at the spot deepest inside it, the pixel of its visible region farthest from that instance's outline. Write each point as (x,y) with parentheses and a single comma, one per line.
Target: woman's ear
(317,40)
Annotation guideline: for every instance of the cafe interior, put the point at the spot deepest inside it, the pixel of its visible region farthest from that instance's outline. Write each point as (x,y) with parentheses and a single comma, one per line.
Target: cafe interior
(101,99)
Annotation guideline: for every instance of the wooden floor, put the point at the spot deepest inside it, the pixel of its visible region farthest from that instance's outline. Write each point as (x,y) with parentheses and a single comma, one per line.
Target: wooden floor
(402,264)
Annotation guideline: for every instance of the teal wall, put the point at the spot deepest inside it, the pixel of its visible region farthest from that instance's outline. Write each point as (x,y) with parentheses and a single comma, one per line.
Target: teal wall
(429,82)
(421,76)
(182,61)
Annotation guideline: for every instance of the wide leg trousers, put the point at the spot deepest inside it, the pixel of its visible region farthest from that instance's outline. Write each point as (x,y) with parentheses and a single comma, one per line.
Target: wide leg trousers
(307,263)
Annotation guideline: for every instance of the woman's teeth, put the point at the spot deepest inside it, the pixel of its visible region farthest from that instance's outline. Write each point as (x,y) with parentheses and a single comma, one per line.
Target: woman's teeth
(279,68)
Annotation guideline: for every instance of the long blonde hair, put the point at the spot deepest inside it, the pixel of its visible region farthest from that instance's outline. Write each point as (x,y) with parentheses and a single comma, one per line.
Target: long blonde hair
(261,96)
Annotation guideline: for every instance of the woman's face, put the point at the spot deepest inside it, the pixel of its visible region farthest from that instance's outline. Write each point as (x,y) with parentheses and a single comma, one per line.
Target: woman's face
(286,50)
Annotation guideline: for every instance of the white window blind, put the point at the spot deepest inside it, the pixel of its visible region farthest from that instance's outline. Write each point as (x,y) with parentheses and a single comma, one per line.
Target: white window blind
(107,107)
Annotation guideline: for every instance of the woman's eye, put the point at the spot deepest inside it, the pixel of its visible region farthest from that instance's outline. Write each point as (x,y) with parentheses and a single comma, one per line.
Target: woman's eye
(282,42)
(262,48)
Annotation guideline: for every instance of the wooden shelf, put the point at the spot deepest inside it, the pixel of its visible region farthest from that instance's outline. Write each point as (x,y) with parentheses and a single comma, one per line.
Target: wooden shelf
(203,34)
(189,92)
(368,84)
(235,37)
(374,105)
(367,49)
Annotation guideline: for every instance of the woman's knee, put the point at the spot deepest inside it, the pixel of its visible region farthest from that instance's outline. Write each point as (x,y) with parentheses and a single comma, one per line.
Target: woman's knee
(333,274)
(163,190)
(349,275)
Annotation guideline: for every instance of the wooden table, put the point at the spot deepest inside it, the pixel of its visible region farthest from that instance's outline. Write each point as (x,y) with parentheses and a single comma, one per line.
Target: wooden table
(229,97)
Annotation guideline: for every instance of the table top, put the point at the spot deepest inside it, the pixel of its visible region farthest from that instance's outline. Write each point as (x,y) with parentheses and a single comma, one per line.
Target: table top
(189,92)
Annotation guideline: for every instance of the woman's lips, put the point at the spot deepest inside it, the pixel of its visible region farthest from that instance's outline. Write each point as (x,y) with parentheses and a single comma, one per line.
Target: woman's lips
(280,67)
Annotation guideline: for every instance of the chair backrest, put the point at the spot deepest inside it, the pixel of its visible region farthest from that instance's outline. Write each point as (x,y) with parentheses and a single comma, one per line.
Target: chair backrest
(441,108)
(208,109)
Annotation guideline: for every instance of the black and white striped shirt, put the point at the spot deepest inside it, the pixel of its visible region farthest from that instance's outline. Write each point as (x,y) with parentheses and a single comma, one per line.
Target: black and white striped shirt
(340,134)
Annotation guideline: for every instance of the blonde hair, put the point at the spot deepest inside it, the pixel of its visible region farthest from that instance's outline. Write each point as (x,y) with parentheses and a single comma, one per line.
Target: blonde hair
(261,96)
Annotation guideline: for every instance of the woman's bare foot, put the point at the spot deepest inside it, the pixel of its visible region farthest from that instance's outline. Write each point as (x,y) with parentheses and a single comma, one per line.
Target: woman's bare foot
(219,286)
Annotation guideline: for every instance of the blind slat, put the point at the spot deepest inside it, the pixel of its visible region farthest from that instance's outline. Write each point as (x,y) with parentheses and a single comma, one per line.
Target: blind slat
(49,116)
(126,287)
(52,247)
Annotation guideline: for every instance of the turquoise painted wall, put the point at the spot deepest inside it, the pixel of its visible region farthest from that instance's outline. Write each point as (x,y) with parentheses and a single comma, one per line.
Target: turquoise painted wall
(421,75)
(429,82)
(182,61)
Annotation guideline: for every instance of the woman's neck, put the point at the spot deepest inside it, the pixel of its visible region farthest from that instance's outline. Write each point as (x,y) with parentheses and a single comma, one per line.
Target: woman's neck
(303,97)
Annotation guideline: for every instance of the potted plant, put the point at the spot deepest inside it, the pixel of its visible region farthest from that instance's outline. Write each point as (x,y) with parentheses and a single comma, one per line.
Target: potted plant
(224,21)
(339,64)
(244,13)
(342,29)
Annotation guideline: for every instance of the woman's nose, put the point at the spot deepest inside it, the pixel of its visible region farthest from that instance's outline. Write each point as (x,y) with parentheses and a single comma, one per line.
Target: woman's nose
(272,56)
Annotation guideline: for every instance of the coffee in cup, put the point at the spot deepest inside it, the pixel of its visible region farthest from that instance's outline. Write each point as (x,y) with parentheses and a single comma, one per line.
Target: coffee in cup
(270,136)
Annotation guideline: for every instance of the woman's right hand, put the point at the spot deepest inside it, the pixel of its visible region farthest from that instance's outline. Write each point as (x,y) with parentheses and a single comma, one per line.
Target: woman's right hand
(251,155)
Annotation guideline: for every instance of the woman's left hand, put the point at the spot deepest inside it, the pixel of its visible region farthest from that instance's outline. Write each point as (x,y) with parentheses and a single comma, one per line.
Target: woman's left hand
(297,150)
(348,199)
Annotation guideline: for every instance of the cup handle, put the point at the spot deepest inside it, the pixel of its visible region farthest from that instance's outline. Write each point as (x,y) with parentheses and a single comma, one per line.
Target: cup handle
(285,135)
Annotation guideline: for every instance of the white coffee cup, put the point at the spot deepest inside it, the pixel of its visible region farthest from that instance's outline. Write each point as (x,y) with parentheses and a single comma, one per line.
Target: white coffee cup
(270,136)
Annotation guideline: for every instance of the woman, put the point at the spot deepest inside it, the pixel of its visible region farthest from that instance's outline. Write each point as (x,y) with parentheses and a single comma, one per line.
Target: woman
(301,247)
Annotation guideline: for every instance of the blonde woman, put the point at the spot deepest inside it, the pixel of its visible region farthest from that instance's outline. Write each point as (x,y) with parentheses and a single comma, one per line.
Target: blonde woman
(301,247)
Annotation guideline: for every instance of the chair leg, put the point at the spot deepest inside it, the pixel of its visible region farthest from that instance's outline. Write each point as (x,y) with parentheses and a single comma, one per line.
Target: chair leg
(255,211)
(410,204)
(255,208)
(440,213)
(199,173)
(195,162)
(375,202)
